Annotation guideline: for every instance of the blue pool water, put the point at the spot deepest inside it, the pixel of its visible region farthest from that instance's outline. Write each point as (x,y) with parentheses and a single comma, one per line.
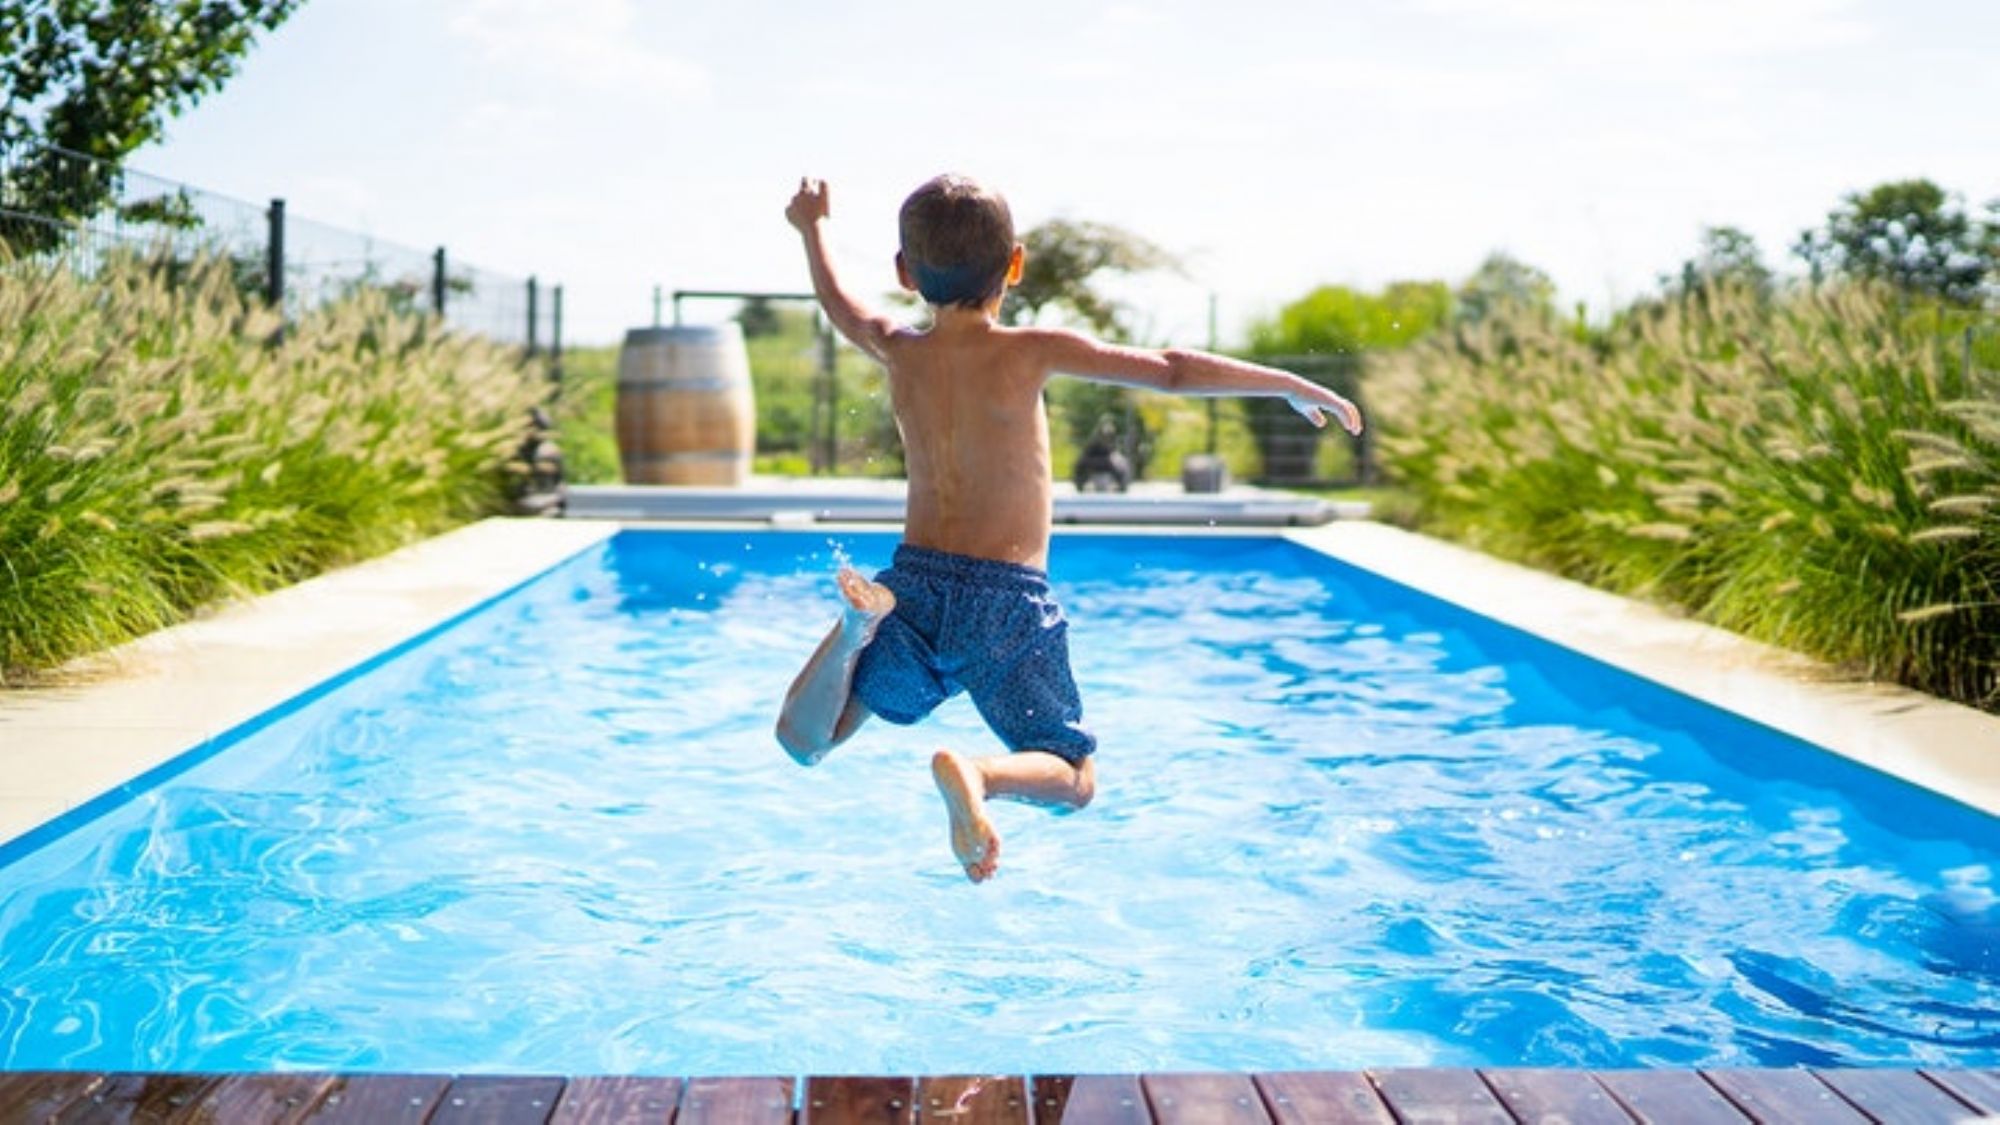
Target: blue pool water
(1339,824)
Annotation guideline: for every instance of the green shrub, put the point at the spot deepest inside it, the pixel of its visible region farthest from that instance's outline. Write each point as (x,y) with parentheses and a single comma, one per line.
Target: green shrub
(583,413)
(1820,470)
(160,448)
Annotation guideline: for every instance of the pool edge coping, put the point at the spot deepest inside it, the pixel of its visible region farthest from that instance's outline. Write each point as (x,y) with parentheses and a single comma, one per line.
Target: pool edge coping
(191,688)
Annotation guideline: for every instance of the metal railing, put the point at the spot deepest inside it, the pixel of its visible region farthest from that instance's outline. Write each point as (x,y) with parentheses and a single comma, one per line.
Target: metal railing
(68,208)
(825,410)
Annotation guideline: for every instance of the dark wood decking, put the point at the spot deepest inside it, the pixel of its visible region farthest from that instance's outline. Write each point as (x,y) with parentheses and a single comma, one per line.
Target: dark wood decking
(1376,1097)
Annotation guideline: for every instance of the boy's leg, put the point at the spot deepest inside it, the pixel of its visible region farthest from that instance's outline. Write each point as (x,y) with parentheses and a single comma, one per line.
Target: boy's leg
(820,711)
(1028,775)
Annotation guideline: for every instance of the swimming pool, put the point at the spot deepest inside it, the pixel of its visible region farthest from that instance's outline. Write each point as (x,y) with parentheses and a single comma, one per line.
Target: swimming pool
(1339,824)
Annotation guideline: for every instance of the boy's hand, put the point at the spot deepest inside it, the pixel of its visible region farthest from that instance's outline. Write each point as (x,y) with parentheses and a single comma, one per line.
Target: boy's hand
(809,205)
(1314,403)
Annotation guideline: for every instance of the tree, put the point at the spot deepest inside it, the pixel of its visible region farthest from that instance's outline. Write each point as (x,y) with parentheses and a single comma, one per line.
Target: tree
(1065,262)
(98,77)
(1911,234)
(759,317)
(1503,280)
(1337,320)
(1729,257)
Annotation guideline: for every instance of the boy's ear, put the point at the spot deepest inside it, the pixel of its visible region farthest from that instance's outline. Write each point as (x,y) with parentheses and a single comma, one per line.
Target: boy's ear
(1014,263)
(903,277)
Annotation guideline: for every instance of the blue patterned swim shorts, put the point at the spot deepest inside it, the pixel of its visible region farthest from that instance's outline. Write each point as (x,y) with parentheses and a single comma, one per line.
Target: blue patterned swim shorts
(990,629)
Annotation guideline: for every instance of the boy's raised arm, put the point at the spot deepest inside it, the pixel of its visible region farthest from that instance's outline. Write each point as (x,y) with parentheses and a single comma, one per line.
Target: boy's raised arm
(1184,372)
(808,212)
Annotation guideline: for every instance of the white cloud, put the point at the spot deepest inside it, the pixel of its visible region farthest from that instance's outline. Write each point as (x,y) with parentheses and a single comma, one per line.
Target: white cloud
(1680,29)
(591,43)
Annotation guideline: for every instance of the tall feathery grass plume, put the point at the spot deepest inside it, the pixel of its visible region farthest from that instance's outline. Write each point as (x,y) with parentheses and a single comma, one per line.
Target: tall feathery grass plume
(1818,469)
(163,446)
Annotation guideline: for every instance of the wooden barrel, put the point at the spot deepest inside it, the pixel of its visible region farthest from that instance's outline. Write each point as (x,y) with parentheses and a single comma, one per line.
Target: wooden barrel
(685,414)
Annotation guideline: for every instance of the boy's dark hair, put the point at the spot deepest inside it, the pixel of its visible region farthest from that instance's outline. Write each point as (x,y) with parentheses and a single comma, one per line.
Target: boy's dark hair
(958,238)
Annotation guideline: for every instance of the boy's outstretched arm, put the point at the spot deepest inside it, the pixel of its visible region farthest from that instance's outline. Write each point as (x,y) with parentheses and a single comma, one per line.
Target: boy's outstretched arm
(1184,372)
(809,212)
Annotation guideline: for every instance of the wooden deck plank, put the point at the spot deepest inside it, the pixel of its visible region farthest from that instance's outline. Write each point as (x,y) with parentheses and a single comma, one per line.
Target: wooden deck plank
(1839,1096)
(1553,1094)
(1089,1099)
(269,1099)
(390,1099)
(986,1099)
(39,1095)
(1322,1097)
(871,1100)
(1977,1088)
(736,1101)
(137,1098)
(497,1099)
(1428,1094)
(1783,1097)
(1204,1099)
(1670,1097)
(1897,1097)
(618,1101)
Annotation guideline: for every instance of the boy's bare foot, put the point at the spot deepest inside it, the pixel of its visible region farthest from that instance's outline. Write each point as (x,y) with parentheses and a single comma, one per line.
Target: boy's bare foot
(973,838)
(867,602)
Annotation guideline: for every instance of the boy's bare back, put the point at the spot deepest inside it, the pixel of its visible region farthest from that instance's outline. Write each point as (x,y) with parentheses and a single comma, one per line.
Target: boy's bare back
(967,396)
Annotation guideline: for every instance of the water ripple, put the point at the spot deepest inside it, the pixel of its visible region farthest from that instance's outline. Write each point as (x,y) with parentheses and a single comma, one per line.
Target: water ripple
(1336,827)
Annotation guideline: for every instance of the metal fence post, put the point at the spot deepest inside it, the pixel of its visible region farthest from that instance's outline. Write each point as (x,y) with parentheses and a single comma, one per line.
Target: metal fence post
(827,358)
(437,281)
(274,257)
(555,338)
(532,293)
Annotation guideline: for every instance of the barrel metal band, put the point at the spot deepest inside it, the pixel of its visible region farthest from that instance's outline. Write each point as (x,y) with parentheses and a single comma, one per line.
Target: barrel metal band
(710,383)
(691,455)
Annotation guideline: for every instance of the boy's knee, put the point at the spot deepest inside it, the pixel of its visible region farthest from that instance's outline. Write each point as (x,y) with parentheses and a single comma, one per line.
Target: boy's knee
(1084,787)
(802,749)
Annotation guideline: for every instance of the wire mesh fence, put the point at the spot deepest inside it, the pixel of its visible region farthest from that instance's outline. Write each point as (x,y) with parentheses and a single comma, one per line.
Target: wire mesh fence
(62,207)
(838,421)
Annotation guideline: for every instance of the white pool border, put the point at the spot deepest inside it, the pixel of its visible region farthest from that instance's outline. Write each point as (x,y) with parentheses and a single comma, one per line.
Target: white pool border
(186,689)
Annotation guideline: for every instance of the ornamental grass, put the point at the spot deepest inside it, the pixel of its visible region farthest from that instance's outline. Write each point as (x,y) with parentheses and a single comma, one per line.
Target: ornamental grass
(1819,470)
(163,445)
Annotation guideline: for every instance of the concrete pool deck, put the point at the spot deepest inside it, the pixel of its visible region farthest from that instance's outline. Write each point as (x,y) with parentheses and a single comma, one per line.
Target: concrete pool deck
(66,750)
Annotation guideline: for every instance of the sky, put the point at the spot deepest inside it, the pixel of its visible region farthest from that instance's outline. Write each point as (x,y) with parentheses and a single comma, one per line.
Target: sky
(612,146)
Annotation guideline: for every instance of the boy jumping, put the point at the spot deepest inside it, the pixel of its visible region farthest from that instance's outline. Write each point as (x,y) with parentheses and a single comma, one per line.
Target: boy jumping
(966,603)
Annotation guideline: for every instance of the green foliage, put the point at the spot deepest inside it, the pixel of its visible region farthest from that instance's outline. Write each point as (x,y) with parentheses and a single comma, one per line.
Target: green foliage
(1728,259)
(759,317)
(158,450)
(1321,337)
(785,377)
(1910,234)
(1064,268)
(583,412)
(1065,261)
(1820,470)
(99,77)
(1500,283)
(1335,319)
